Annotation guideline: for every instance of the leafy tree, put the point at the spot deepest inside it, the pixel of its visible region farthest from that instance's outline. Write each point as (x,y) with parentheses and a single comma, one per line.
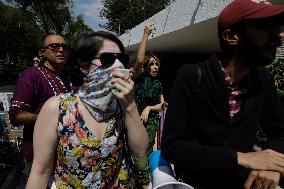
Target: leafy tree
(23,26)
(277,70)
(76,29)
(53,16)
(125,14)
(19,36)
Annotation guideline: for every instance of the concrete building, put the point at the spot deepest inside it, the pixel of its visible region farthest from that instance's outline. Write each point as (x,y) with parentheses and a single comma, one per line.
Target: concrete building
(185,26)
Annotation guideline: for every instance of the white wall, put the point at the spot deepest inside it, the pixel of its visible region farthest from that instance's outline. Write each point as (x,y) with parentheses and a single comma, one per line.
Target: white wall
(186,26)
(179,15)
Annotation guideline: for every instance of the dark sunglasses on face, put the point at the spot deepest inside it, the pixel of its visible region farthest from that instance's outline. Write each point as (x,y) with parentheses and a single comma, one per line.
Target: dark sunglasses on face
(55,47)
(107,59)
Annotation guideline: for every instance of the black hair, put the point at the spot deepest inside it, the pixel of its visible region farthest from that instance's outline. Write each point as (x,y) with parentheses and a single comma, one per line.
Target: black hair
(89,45)
(86,48)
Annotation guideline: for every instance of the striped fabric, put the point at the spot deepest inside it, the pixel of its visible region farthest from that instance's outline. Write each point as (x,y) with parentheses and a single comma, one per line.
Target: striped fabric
(234,94)
(280,50)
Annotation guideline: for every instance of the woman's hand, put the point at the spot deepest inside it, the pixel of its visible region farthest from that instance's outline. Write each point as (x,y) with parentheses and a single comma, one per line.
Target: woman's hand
(145,114)
(164,105)
(149,28)
(124,90)
(136,132)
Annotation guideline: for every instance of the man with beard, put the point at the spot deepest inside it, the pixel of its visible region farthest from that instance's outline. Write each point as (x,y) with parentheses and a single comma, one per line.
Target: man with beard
(35,86)
(217,106)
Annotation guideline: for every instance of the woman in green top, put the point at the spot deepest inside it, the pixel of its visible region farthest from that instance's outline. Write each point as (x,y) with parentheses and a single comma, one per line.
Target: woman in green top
(149,99)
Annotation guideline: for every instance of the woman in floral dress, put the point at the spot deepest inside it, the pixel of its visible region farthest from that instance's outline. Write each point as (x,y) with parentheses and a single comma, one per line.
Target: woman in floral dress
(85,138)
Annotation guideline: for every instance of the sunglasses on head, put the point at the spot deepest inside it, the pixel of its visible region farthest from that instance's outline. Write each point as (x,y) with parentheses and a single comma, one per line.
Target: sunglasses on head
(107,59)
(55,47)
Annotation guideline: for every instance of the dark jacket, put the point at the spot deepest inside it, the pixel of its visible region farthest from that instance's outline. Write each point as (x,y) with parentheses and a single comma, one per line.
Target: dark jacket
(201,139)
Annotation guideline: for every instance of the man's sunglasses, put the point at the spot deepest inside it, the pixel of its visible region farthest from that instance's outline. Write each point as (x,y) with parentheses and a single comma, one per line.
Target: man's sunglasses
(55,47)
(107,59)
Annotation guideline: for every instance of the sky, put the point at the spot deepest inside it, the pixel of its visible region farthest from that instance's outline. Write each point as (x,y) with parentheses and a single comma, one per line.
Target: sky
(90,9)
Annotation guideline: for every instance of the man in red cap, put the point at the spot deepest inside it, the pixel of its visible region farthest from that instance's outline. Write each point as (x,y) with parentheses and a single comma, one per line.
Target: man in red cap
(217,106)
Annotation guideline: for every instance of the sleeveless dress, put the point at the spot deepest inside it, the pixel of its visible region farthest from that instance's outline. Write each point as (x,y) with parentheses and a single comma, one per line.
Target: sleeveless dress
(83,161)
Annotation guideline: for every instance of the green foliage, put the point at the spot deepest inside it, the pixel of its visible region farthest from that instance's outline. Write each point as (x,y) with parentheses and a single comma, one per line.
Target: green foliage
(277,70)
(23,26)
(260,137)
(125,14)
(53,16)
(76,29)
(19,35)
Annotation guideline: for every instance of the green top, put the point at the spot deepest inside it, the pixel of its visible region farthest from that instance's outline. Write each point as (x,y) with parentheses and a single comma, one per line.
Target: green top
(148,92)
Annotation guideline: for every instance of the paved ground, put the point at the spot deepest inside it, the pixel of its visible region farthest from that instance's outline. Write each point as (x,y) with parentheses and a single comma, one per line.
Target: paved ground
(11,176)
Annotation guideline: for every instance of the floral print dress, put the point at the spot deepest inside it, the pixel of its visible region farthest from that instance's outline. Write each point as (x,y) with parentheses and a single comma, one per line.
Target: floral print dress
(83,161)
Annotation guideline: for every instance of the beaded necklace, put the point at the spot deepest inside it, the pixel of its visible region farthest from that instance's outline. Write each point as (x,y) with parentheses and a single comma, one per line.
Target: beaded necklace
(54,81)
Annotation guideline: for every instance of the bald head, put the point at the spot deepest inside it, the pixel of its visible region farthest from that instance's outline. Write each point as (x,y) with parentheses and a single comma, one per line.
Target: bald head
(52,37)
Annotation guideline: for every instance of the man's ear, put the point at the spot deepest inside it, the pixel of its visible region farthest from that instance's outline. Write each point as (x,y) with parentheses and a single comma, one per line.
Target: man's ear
(230,37)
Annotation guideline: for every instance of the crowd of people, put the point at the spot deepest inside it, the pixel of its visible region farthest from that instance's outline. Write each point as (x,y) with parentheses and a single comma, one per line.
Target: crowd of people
(91,120)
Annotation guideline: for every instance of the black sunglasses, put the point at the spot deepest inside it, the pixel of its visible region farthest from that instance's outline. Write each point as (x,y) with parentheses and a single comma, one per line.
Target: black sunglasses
(55,47)
(107,59)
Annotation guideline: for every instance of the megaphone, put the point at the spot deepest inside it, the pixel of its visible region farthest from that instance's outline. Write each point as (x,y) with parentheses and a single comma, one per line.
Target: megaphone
(162,175)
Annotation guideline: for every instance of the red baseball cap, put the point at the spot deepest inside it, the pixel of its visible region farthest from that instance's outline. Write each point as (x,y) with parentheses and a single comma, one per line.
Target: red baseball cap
(239,10)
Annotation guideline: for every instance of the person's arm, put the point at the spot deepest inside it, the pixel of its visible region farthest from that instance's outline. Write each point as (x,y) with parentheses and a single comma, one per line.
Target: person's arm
(25,118)
(138,66)
(157,108)
(24,95)
(265,160)
(177,147)
(136,132)
(45,143)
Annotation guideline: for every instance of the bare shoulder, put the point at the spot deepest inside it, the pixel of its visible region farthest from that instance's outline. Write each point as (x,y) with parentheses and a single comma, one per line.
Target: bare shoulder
(50,109)
(47,120)
(51,104)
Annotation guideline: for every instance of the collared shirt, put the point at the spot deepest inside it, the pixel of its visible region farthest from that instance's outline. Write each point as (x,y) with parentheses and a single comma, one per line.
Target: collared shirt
(234,94)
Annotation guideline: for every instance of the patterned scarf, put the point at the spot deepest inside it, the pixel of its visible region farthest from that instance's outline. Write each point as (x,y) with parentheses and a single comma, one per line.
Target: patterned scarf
(96,94)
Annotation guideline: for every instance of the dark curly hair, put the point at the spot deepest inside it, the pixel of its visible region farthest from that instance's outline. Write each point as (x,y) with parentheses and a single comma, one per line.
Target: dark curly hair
(146,65)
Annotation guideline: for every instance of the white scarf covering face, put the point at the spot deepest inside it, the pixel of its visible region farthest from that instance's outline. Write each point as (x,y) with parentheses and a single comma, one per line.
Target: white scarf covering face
(96,94)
